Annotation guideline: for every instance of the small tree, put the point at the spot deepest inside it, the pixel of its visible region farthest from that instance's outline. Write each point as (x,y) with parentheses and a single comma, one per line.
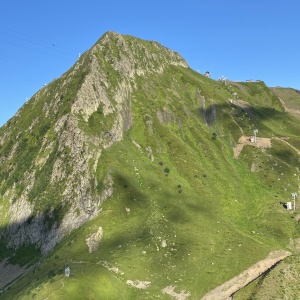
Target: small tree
(167,170)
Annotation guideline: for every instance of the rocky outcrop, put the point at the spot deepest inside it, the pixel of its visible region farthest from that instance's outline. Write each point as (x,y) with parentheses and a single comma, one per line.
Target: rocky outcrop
(93,241)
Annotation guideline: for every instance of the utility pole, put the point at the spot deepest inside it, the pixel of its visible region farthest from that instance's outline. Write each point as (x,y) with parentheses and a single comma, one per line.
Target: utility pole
(223,79)
(255,131)
(294,196)
(234,95)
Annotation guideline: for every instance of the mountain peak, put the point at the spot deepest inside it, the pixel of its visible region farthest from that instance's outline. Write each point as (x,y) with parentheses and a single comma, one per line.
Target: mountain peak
(114,62)
(143,56)
(61,132)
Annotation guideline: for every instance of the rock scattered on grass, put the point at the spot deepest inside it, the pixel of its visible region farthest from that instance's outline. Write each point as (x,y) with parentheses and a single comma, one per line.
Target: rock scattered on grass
(93,242)
(169,290)
(139,284)
(163,244)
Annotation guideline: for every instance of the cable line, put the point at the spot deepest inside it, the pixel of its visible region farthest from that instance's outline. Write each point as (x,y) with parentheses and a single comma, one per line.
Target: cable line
(35,40)
(32,49)
(12,59)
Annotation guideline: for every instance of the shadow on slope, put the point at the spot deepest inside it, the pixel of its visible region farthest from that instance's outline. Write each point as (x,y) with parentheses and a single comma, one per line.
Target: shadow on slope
(267,120)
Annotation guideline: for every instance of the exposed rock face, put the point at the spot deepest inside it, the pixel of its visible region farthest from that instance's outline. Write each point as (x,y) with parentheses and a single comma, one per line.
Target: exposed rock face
(93,242)
(64,128)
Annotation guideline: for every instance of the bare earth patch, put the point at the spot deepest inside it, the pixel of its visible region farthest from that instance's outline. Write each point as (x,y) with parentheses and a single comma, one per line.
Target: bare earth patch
(245,140)
(169,290)
(139,284)
(260,143)
(110,268)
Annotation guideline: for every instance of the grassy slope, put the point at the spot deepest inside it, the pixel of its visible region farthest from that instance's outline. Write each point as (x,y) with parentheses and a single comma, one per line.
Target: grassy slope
(216,216)
(290,96)
(282,282)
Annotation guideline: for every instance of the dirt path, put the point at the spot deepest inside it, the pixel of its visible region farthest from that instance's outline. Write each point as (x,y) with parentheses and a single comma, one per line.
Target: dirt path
(293,112)
(241,129)
(291,146)
(226,290)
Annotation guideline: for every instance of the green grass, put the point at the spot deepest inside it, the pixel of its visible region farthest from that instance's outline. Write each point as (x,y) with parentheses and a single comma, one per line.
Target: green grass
(281,281)
(207,240)
(291,97)
(216,216)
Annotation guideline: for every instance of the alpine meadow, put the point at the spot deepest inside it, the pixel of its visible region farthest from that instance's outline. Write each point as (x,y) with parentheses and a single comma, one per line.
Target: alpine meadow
(133,176)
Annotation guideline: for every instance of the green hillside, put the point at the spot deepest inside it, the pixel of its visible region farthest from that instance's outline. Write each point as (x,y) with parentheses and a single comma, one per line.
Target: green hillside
(289,95)
(290,99)
(133,141)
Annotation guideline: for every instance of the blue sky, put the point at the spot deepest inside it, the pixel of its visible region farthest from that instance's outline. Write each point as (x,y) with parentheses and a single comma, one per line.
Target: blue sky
(241,40)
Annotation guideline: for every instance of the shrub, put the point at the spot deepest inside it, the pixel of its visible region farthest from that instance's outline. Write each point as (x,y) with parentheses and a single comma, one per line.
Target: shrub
(51,274)
(167,170)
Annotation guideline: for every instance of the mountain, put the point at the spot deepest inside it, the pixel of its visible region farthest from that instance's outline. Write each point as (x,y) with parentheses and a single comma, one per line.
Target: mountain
(144,178)
(51,148)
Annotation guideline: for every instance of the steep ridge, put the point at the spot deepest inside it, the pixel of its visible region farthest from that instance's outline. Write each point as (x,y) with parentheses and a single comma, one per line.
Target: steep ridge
(59,151)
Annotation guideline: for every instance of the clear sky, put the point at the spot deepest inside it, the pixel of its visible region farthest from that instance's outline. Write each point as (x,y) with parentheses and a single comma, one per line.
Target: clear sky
(40,40)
